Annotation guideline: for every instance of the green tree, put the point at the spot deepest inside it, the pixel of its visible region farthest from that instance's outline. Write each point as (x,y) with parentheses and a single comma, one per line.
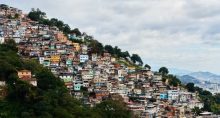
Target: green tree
(190,87)
(36,15)
(76,31)
(125,54)
(16,16)
(196,111)
(46,80)
(136,58)
(117,51)
(147,66)
(96,47)
(173,80)
(163,71)
(4,6)
(10,45)
(112,109)
(109,49)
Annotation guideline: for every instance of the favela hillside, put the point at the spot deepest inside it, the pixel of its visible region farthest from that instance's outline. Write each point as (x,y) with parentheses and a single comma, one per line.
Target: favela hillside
(49,70)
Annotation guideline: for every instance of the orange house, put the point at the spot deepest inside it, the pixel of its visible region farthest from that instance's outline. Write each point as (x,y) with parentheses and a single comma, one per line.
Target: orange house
(76,46)
(61,37)
(24,74)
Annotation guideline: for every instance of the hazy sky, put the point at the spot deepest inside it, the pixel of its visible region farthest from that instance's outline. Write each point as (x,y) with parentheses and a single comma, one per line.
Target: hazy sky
(181,34)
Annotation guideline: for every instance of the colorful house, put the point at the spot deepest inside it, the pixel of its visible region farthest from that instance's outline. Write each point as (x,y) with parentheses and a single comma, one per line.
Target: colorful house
(46,62)
(163,96)
(25,75)
(76,46)
(77,86)
(61,37)
(55,58)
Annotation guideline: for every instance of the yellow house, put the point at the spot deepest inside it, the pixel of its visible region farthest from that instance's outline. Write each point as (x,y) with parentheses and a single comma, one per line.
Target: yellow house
(76,46)
(55,58)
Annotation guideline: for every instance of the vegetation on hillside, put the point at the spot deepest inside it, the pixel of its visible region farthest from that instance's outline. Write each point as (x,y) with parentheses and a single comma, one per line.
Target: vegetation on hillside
(166,77)
(211,102)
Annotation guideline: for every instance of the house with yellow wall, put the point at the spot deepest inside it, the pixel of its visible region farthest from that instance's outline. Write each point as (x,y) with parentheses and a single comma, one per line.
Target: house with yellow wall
(55,58)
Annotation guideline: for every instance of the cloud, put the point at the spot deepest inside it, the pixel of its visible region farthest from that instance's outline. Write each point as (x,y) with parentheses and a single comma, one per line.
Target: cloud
(178,34)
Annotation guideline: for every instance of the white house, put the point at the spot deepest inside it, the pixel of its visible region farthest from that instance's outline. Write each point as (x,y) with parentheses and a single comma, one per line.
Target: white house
(94,57)
(83,58)
(195,103)
(2,83)
(84,49)
(2,40)
(41,60)
(173,94)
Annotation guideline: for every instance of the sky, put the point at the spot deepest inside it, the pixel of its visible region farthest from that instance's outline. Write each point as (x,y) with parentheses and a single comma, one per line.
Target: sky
(178,34)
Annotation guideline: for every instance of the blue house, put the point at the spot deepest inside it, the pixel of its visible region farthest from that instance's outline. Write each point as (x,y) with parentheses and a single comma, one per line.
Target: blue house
(163,96)
(77,86)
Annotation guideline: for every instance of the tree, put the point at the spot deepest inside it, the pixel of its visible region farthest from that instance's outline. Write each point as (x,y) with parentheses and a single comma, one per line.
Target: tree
(36,15)
(136,58)
(190,87)
(4,6)
(76,31)
(125,54)
(173,80)
(66,29)
(96,47)
(46,80)
(53,21)
(16,15)
(196,111)
(113,109)
(11,45)
(117,51)
(109,49)
(163,71)
(147,66)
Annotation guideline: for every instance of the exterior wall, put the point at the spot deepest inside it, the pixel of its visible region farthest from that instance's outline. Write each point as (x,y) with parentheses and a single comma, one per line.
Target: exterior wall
(46,62)
(34,82)
(173,95)
(2,40)
(94,57)
(163,96)
(192,105)
(67,78)
(24,73)
(2,83)
(77,87)
(83,58)
(55,58)
(61,37)
(76,46)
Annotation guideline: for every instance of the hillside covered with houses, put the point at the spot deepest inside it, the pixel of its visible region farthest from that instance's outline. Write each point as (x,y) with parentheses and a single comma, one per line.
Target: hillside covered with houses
(74,75)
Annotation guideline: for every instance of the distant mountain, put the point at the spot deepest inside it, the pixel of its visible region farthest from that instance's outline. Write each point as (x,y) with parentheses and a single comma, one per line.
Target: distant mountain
(178,71)
(188,79)
(206,76)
